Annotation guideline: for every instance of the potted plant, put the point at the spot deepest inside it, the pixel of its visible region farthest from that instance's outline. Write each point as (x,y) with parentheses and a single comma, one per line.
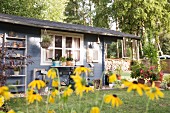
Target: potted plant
(69,61)
(119,72)
(46,41)
(16,70)
(138,72)
(63,61)
(167,80)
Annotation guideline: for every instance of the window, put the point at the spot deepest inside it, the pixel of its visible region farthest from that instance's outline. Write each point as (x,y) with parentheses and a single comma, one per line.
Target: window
(63,44)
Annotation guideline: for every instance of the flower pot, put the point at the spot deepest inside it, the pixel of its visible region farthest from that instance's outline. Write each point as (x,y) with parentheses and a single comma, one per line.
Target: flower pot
(168,84)
(45,45)
(157,83)
(111,85)
(142,81)
(69,63)
(63,63)
(16,72)
(118,77)
(55,63)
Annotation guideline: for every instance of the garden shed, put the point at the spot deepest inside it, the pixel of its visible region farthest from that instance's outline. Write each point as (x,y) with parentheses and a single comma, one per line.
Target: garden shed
(86,45)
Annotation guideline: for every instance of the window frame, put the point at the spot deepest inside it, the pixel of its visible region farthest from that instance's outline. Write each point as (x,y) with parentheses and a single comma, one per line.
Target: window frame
(64,35)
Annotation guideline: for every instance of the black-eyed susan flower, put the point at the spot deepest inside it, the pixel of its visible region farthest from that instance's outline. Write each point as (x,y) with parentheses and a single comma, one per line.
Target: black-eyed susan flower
(34,96)
(52,73)
(95,110)
(51,111)
(81,69)
(1,101)
(11,111)
(55,83)
(37,83)
(54,92)
(112,78)
(87,88)
(113,99)
(135,86)
(76,78)
(68,91)
(5,93)
(79,89)
(51,99)
(153,92)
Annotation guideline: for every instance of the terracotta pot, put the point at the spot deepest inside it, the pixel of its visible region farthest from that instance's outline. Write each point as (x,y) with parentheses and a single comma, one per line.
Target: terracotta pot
(63,63)
(142,81)
(118,77)
(69,63)
(157,83)
(168,84)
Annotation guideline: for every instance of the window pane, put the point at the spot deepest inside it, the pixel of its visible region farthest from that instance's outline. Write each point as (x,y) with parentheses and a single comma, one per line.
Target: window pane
(68,42)
(77,42)
(58,54)
(49,54)
(77,55)
(69,53)
(58,41)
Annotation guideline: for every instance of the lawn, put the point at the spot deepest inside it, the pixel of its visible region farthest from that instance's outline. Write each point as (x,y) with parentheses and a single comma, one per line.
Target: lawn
(131,103)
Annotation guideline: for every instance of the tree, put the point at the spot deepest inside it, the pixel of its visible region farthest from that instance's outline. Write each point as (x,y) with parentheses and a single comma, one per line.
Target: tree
(89,12)
(40,9)
(134,15)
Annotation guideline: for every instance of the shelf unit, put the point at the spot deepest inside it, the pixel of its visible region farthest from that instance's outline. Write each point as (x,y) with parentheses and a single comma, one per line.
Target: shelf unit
(17,47)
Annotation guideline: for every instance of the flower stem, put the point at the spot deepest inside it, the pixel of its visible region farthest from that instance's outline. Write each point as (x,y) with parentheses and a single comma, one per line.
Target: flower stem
(37,111)
(147,106)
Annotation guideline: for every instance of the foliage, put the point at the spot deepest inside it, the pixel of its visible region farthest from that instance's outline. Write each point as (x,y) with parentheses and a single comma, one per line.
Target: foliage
(135,70)
(119,69)
(165,42)
(140,70)
(69,59)
(63,59)
(134,15)
(167,78)
(46,38)
(89,12)
(40,9)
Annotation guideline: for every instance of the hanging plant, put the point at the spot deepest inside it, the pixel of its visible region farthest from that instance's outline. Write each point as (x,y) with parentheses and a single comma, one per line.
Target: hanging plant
(46,40)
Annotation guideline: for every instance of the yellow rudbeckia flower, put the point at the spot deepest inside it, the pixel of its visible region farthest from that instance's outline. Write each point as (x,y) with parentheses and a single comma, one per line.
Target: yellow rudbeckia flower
(81,69)
(11,111)
(37,83)
(135,86)
(54,92)
(5,93)
(34,96)
(76,78)
(115,101)
(54,83)
(1,101)
(51,99)
(112,78)
(52,73)
(95,110)
(68,92)
(79,89)
(51,111)
(88,88)
(154,92)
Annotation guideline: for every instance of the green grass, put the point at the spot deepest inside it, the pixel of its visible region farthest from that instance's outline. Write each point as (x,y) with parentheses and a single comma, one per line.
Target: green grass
(131,103)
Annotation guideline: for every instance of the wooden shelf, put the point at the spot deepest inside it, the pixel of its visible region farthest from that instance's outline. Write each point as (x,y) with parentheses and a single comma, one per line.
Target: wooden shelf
(15,38)
(10,47)
(17,75)
(20,85)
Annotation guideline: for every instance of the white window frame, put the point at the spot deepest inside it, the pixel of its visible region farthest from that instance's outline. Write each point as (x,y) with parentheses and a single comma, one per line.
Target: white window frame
(64,35)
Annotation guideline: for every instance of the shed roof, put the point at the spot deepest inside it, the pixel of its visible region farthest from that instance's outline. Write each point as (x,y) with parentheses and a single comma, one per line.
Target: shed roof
(46,24)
